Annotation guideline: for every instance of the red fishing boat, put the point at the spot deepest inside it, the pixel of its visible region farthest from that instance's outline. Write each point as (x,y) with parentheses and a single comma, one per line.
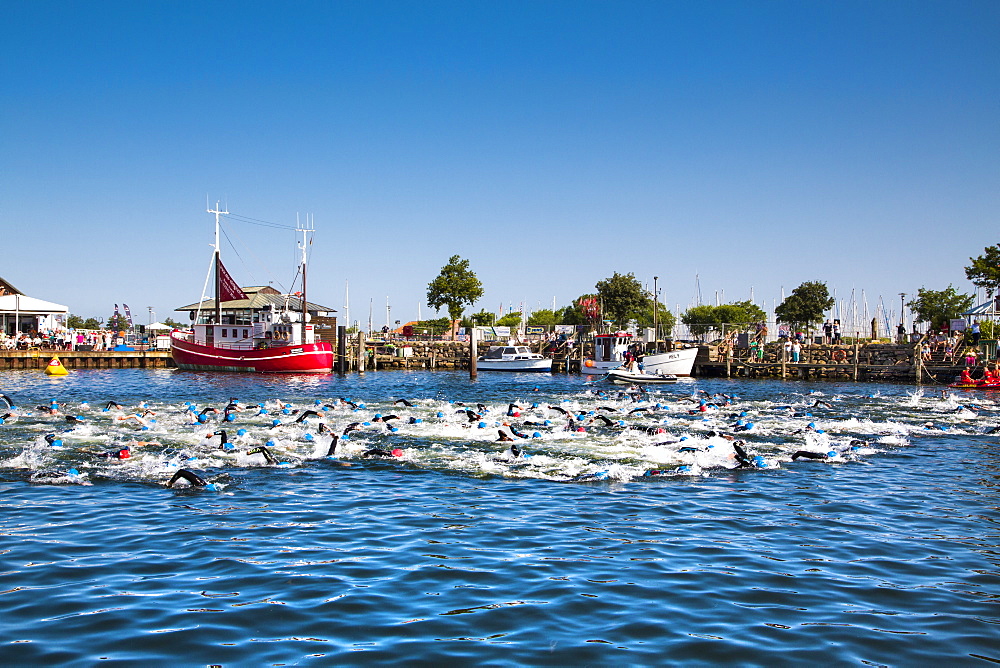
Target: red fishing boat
(253,329)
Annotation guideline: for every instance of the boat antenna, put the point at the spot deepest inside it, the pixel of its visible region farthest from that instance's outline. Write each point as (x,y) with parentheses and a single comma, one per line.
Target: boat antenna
(218,273)
(304,229)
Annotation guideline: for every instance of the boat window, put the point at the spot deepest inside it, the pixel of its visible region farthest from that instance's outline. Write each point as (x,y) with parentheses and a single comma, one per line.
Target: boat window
(509,351)
(246,333)
(522,349)
(224,334)
(494,353)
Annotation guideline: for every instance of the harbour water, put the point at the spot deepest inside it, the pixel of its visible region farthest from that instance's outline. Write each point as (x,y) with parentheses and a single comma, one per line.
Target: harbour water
(884,552)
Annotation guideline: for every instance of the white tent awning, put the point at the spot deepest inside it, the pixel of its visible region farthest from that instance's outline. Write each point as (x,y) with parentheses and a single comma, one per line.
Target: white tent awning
(27,305)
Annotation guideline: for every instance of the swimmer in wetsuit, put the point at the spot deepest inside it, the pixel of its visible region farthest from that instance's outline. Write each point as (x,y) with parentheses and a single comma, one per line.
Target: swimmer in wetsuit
(193,478)
(306,414)
(262,450)
(402,401)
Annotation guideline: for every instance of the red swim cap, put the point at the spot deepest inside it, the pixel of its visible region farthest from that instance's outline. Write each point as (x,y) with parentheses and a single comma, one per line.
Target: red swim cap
(124,454)
(580,429)
(396,452)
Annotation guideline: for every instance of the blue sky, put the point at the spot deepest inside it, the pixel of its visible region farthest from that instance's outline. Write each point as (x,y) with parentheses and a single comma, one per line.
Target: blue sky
(551,144)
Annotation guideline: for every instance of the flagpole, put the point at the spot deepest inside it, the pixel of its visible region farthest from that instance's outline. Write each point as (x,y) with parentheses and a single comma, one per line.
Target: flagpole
(218,274)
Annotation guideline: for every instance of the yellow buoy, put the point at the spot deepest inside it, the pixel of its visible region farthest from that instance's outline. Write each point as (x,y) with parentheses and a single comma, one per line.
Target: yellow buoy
(55,368)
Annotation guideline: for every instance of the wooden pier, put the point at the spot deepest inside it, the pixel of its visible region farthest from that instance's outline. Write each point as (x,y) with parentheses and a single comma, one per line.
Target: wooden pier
(81,359)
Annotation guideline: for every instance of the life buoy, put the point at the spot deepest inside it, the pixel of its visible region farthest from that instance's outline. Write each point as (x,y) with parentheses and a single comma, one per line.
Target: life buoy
(839,356)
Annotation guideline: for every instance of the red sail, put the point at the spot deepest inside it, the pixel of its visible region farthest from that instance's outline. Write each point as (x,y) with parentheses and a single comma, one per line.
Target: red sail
(228,289)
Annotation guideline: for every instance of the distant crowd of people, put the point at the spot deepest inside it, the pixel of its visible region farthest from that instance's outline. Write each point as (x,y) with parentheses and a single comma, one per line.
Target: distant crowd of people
(59,339)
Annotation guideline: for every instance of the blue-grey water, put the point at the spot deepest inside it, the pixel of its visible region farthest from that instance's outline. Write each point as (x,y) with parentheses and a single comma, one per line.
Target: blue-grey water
(609,546)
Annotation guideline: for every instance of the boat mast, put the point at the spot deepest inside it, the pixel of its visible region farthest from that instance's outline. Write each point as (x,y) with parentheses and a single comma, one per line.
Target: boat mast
(305,312)
(218,274)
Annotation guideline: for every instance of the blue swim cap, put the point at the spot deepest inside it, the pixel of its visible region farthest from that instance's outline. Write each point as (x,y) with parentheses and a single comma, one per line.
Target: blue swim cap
(308,437)
(534,405)
(72,472)
(262,412)
(739,423)
(547,422)
(270,444)
(394,429)
(345,437)
(417,420)
(683,468)
(366,424)
(811,424)
(56,443)
(229,418)
(275,422)
(202,418)
(684,438)
(482,425)
(820,431)
(106,410)
(536,435)
(743,413)
(211,487)
(317,402)
(831,454)
(749,425)
(228,446)
(378,416)
(144,428)
(288,405)
(759,461)
(440,414)
(241,432)
(285,411)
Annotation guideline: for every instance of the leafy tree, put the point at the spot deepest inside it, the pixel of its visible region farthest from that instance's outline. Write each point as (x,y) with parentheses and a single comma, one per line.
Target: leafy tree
(542,318)
(483,318)
(939,306)
(622,298)
(806,305)
(740,315)
(455,287)
(700,319)
(91,323)
(984,272)
(433,326)
(510,320)
(170,322)
(583,311)
(74,321)
(117,323)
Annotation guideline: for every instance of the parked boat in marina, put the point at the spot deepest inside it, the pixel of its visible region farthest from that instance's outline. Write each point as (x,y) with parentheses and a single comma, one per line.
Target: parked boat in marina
(610,349)
(512,358)
(252,330)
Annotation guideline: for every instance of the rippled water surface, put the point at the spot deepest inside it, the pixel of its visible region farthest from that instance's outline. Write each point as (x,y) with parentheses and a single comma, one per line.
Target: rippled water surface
(639,540)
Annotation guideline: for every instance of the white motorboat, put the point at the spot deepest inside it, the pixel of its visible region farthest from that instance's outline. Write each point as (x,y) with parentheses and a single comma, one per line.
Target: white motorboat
(610,349)
(624,377)
(512,358)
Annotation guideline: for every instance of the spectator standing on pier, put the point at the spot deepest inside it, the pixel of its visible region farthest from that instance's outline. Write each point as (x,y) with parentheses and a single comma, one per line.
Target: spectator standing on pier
(788,349)
(836,330)
(827,332)
(796,350)
(975,332)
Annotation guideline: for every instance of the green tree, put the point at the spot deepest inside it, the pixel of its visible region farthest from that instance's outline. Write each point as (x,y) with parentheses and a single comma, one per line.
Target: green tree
(510,320)
(582,311)
(542,318)
(939,306)
(622,298)
(984,272)
(74,321)
(700,319)
(739,315)
(170,322)
(483,319)
(117,323)
(806,305)
(91,323)
(455,287)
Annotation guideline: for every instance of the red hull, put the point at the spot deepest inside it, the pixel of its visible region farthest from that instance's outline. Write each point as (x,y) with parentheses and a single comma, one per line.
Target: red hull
(304,358)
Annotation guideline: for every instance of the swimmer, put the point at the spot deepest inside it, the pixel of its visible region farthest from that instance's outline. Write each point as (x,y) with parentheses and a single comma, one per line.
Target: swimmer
(306,414)
(333,446)
(805,454)
(607,422)
(73,418)
(138,419)
(742,458)
(402,401)
(380,453)
(352,427)
(262,450)
(607,408)
(323,428)
(193,478)
(223,440)
(559,409)
(124,453)
(348,403)
(639,410)
(473,416)
(822,403)
(504,436)
(9,402)
(112,404)
(513,410)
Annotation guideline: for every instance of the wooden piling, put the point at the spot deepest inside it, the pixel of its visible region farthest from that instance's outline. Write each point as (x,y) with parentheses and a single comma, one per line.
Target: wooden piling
(472,354)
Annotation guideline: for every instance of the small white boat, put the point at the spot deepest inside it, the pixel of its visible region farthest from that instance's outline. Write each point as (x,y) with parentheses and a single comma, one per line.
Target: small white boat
(610,349)
(624,377)
(512,358)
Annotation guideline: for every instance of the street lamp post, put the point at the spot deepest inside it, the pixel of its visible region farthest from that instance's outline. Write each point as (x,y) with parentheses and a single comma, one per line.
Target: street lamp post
(902,318)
